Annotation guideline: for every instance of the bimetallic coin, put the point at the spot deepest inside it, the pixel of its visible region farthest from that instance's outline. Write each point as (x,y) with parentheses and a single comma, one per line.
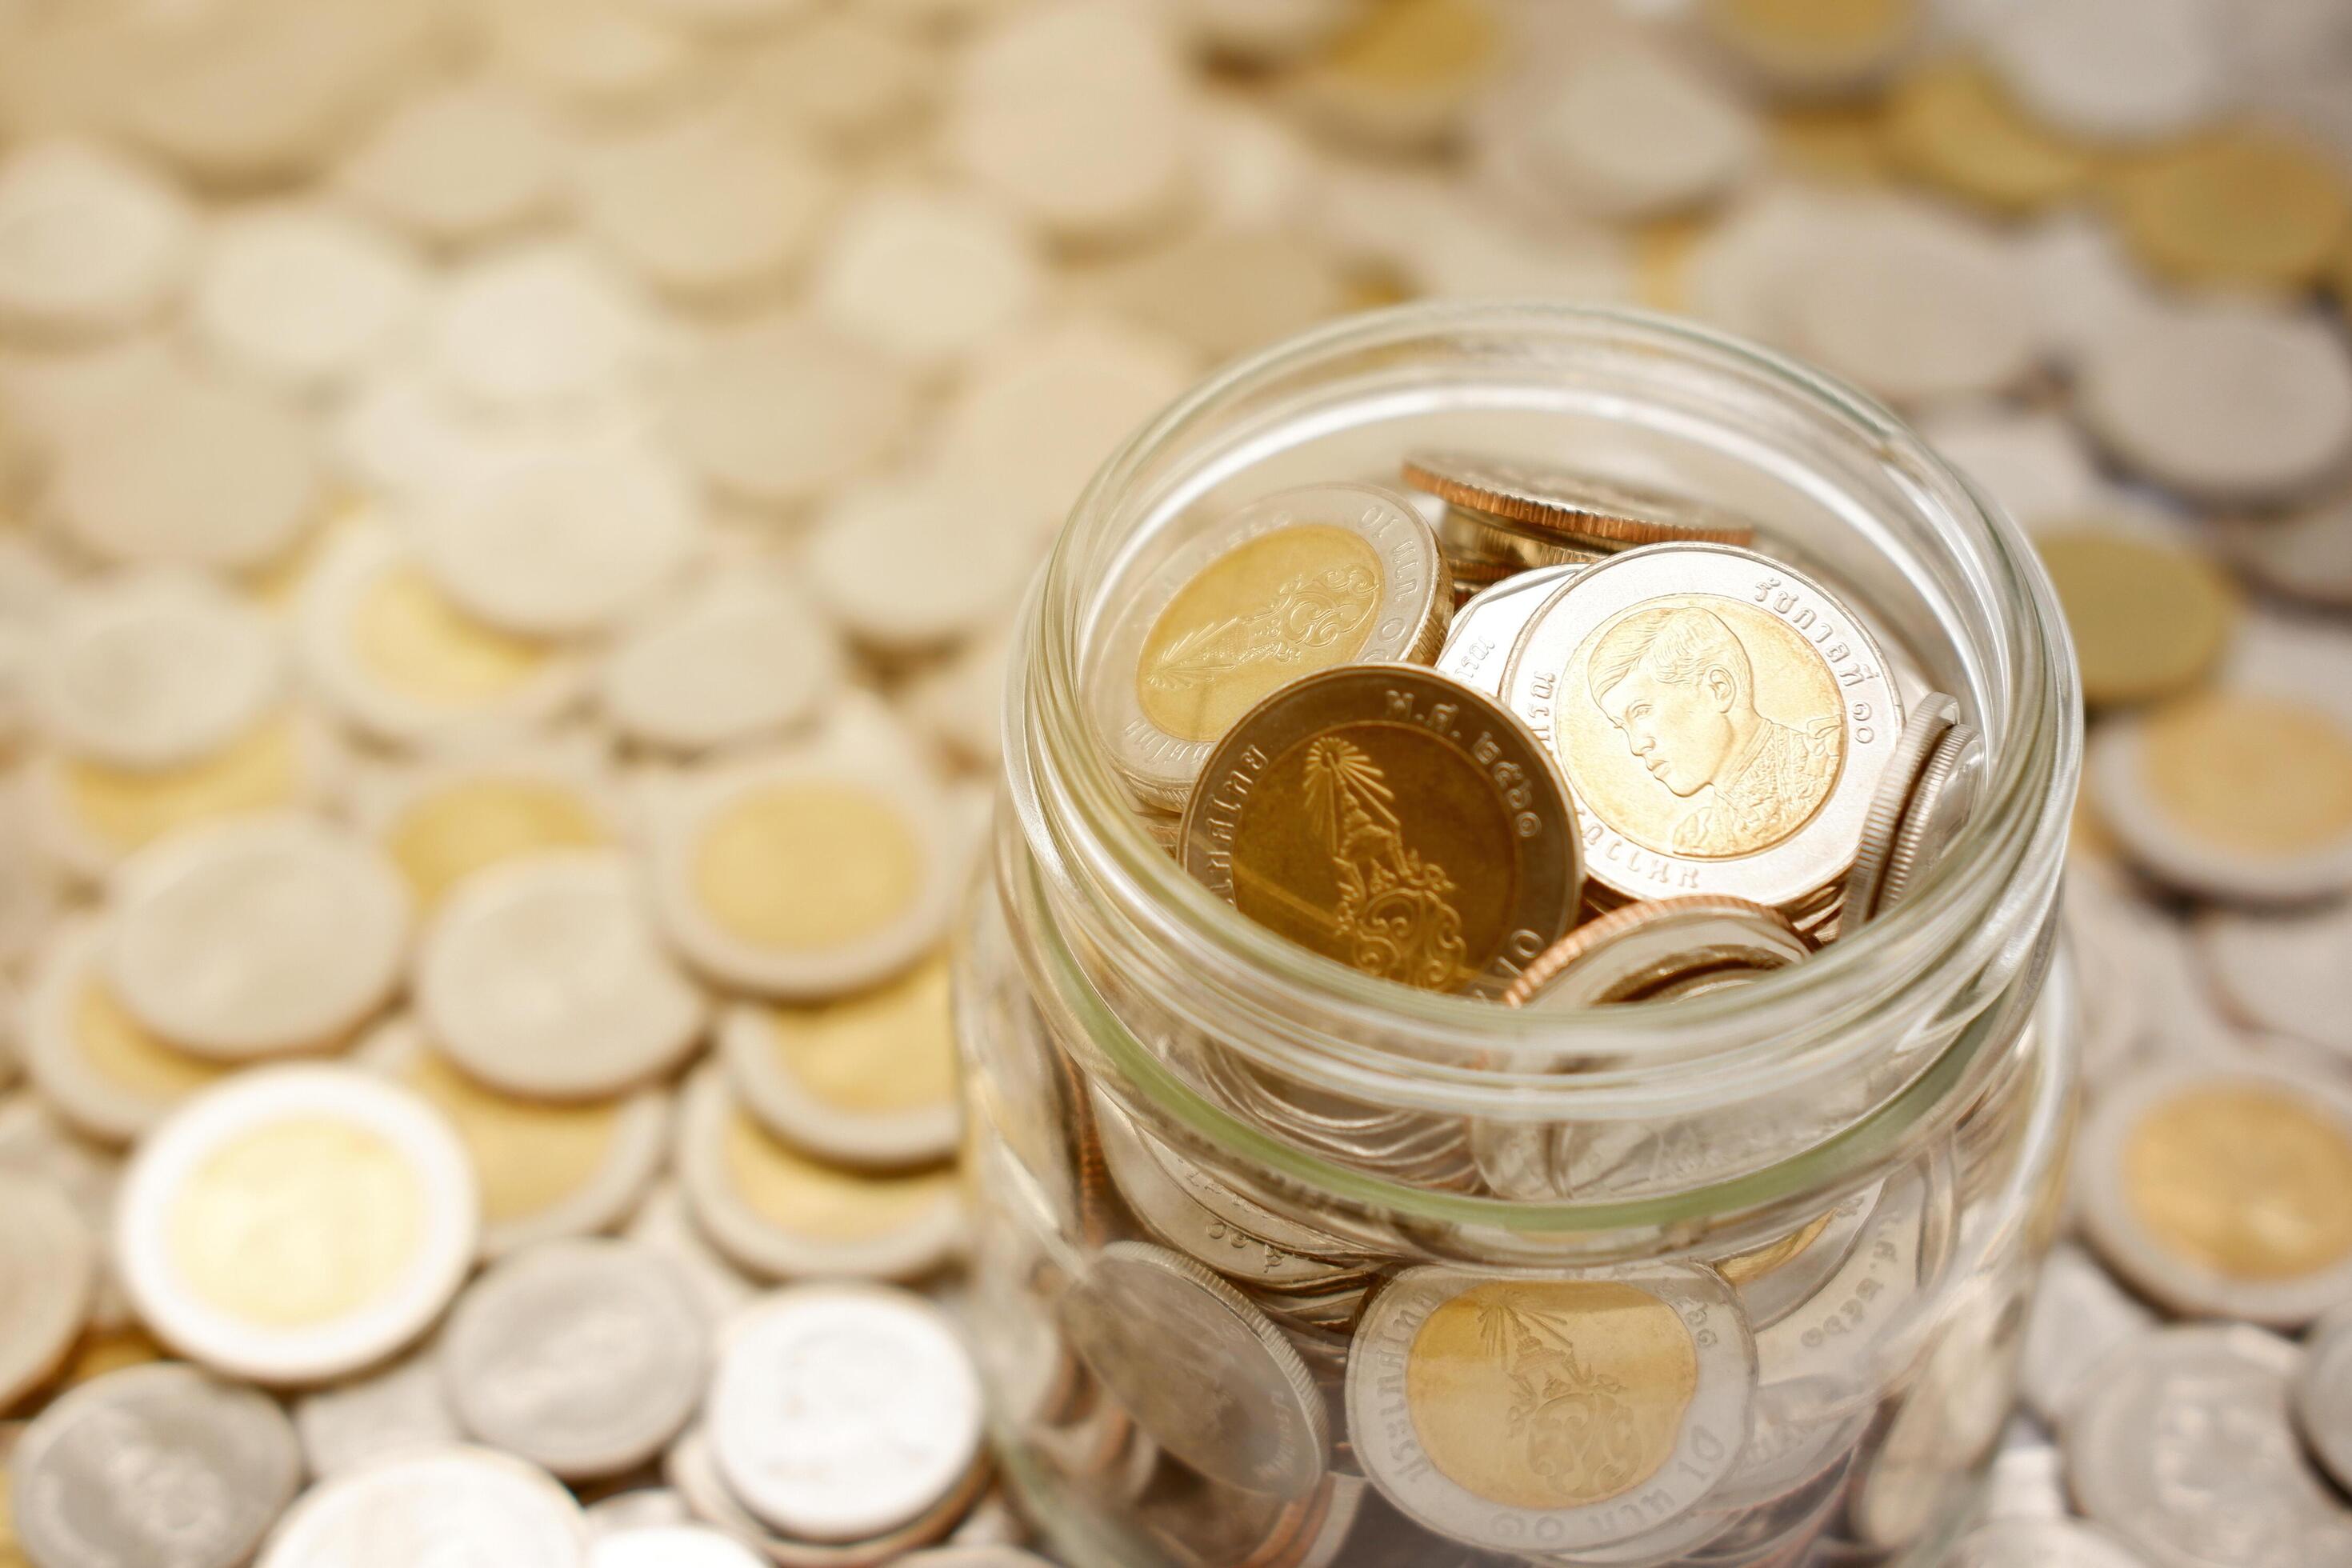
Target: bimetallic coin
(839,1412)
(2223,1188)
(1392,820)
(2186,1452)
(96,1064)
(1247,1413)
(584,1357)
(48,1266)
(1723,722)
(152,1465)
(1301,581)
(1924,728)
(1560,501)
(454,1507)
(296,1224)
(1943,798)
(2041,1543)
(2323,1396)
(1658,951)
(1449,1404)
(1479,641)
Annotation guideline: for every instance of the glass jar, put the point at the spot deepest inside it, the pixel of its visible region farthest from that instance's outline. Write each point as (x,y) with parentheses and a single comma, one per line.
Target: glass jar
(1240,1294)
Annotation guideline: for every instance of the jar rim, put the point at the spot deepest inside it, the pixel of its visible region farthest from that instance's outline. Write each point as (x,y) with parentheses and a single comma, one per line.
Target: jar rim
(1079,818)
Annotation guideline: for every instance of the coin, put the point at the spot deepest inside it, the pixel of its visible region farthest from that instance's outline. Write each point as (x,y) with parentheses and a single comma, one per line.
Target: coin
(443,820)
(930,276)
(2244,206)
(151,669)
(840,1412)
(544,978)
(1860,1316)
(1918,304)
(2323,1395)
(255,937)
(2040,1543)
(467,1507)
(536,324)
(452,164)
(670,1546)
(704,204)
(48,1266)
(974,1557)
(113,1078)
(1476,543)
(2186,1452)
(2284,972)
(2306,554)
(2223,1189)
(1558,500)
(2149,618)
(1942,801)
(1446,1401)
(1924,729)
(640,1508)
(690,1468)
(1367,814)
(1813,45)
(303,296)
(2114,72)
(1723,722)
(737,657)
(959,562)
(347,1426)
(296,1223)
(150,1464)
(1479,639)
(779,1213)
(1953,125)
(1402,77)
(98,242)
(1298,582)
(584,1357)
(779,411)
(1658,951)
(1247,1413)
(1943,1430)
(2080,1317)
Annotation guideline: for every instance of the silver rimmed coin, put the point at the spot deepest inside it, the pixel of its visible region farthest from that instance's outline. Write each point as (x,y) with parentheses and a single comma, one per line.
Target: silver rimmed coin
(2223,1188)
(2080,1316)
(1411,1146)
(2323,1396)
(352,1424)
(1943,798)
(1479,641)
(1567,504)
(1300,581)
(48,1268)
(2184,1451)
(152,1465)
(1200,1216)
(840,1412)
(1924,728)
(1950,1419)
(584,1357)
(1656,951)
(461,1507)
(1454,1402)
(1392,820)
(2041,1543)
(1246,1411)
(691,1468)
(1722,720)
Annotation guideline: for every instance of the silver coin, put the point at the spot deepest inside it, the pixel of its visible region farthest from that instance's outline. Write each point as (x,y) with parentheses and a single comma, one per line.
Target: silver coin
(689,1468)
(1761,791)
(2041,1543)
(1414,1147)
(400,1408)
(453,1507)
(1950,1419)
(1247,1413)
(152,1465)
(1767,1294)
(584,1357)
(1943,798)
(2080,1317)
(1193,1212)
(2186,1452)
(48,1267)
(1479,639)
(1467,1395)
(641,1507)
(2323,1396)
(670,1546)
(974,1557)
(2027,1478)
(1924,728)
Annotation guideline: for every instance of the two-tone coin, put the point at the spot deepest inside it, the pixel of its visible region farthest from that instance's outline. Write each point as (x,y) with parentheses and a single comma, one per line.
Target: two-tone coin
(1299,581)
(1393,820)
(1722,720)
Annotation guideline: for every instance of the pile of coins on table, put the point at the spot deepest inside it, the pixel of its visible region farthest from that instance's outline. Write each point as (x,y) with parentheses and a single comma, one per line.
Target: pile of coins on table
(511,513)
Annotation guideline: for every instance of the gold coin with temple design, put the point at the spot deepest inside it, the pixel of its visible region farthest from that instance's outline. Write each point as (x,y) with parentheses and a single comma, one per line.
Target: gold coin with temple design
(1303,580)
(1393,819)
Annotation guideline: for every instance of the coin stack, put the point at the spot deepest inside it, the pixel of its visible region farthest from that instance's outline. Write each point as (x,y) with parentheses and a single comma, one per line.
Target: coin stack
(510,513)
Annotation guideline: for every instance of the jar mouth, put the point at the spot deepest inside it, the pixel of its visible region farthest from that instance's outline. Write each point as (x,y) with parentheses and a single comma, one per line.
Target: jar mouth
(1969,925)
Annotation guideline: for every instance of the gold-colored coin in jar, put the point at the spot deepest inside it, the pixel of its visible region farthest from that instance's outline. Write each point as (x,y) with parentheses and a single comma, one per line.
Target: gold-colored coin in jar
(2244,207)
(1722,720)
(1395,820)
(1562,504)
(1656,951)
(1451,1406)
(1300,581)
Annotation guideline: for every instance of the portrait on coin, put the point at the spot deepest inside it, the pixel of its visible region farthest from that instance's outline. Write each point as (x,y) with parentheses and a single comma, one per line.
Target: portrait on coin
(1700,726)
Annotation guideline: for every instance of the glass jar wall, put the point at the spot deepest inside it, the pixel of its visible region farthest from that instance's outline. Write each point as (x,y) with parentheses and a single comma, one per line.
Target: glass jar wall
(1244,1293)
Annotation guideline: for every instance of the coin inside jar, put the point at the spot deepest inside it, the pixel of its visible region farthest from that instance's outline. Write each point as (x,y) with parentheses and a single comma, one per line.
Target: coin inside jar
(1301,581)
(1655,952)
(1566,505)
(1393,820)
(1723,722)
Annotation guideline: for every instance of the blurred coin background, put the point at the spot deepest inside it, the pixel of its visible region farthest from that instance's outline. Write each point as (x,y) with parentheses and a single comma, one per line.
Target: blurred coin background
(510,516)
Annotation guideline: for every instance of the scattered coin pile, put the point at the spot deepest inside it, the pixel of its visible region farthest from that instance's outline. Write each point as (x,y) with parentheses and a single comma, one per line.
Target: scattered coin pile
(513,507)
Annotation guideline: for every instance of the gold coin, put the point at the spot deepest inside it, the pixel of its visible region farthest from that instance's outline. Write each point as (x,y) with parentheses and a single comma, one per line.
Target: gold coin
(1953,125)
(124,1051)
(2244,1181)
(821,1203)
(2148,619)
(806,864)
(124,808)
(407,635)
(1813,43)
(297,1222)
(1395,820)
(890,1049)
(1744,1269)
(2238,207)
(1502,1353)
(528,1158)
(1580,507)
(450,833)
(2245,772)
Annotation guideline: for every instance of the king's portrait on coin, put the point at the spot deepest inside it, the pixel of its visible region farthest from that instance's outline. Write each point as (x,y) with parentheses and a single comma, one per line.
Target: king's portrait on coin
(1735,719)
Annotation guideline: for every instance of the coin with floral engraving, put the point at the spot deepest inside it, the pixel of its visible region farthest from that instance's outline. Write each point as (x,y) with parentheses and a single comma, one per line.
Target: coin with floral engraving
(1298,581)
(1393,820)
(1723,722)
